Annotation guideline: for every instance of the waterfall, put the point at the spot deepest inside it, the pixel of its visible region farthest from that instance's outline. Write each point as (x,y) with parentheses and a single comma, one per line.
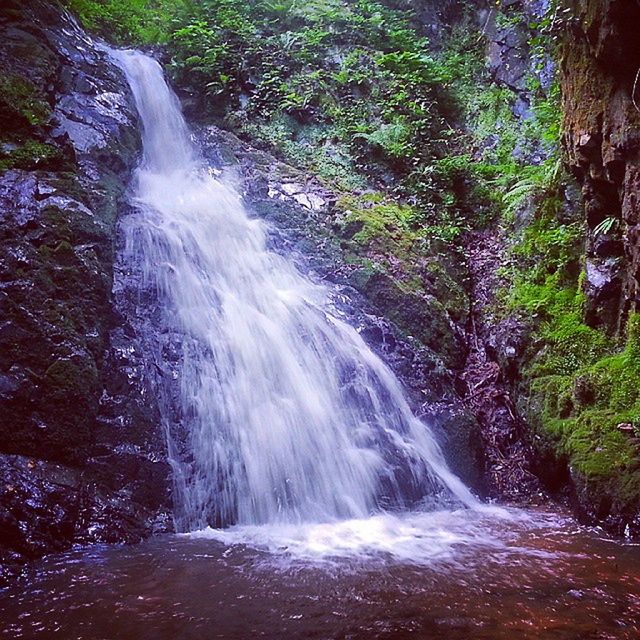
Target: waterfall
(288,416)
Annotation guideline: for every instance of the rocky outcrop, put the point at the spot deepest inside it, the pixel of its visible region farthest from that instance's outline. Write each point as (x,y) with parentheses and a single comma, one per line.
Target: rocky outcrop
(563,384)
(72,469)
(496,338)
(599,71)
(599,76)
(491,374)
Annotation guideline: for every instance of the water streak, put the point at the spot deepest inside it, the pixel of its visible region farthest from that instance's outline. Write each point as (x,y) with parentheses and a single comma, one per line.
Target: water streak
(289,416)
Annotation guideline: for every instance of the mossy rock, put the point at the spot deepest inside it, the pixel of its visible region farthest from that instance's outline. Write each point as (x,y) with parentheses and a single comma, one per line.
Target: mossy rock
(32,155)
(75,377)
(422,317)
(22,104)
(588,419)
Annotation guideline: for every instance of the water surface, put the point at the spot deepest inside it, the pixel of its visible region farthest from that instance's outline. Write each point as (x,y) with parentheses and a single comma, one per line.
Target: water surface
(473,574)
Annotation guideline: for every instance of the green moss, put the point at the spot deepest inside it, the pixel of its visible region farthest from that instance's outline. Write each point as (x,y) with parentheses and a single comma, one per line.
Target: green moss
(405,269)
(420,316)
(21,103)
(76,376)
(582,410)
(30,155)
(24,113)
(380,224)
(633,335)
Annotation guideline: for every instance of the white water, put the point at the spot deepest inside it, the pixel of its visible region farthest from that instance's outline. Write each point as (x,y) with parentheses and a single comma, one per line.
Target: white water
(290,417)
(418,538)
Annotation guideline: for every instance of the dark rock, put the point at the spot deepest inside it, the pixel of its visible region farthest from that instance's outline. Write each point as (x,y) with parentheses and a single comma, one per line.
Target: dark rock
(46,507)
(600,58)
(75,475)
(491,376)
(512,64)
(607,246)
(603,286)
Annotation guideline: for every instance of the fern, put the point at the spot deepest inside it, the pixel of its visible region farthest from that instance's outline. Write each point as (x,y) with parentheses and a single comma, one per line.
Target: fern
(606,226)
(543,179)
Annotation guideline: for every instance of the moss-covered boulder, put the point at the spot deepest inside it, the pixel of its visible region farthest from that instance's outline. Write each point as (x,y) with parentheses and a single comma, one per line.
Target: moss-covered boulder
(590,420)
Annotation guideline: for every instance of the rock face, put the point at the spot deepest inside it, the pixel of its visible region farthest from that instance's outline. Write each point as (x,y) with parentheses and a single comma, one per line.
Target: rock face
(599,57)
(491,373)
(69,144)
(599,77)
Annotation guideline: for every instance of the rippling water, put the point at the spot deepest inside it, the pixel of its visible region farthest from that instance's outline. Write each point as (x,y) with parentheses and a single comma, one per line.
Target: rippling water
(460,575)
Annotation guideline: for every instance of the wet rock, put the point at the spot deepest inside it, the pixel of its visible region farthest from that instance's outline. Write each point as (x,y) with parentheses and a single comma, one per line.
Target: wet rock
(491,376)
(603,285)
(509,32)
(47,507)
(600,502)
(505,344)
(600,58)
(76,475)
(607,246)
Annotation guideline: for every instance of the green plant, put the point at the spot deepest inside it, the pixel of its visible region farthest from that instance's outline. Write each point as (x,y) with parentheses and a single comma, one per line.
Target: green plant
(606,226)
(538,181)
(127,21)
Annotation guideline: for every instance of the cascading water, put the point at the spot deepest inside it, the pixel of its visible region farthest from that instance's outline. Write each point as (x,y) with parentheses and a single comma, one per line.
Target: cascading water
(289,416)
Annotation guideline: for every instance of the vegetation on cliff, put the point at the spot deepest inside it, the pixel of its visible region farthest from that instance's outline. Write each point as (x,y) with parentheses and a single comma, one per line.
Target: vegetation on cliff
(352,91)
(24,113)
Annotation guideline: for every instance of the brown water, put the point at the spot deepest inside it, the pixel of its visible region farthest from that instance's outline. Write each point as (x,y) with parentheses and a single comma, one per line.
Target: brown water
(472,575)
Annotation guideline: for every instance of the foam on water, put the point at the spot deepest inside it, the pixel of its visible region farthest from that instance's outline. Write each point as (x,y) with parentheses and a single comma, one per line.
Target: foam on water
(418,538)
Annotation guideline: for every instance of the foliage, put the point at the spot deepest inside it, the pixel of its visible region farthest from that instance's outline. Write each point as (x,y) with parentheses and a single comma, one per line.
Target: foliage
(21,103)
(31,154)
(606,226)
(24,114)
(129,21)
(538,182)
(584,408)
(350,89)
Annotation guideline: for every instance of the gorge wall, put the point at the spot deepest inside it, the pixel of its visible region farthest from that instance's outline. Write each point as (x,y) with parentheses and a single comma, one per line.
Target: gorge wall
(600,63)
(81,452)
(568,252)
(599,76)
